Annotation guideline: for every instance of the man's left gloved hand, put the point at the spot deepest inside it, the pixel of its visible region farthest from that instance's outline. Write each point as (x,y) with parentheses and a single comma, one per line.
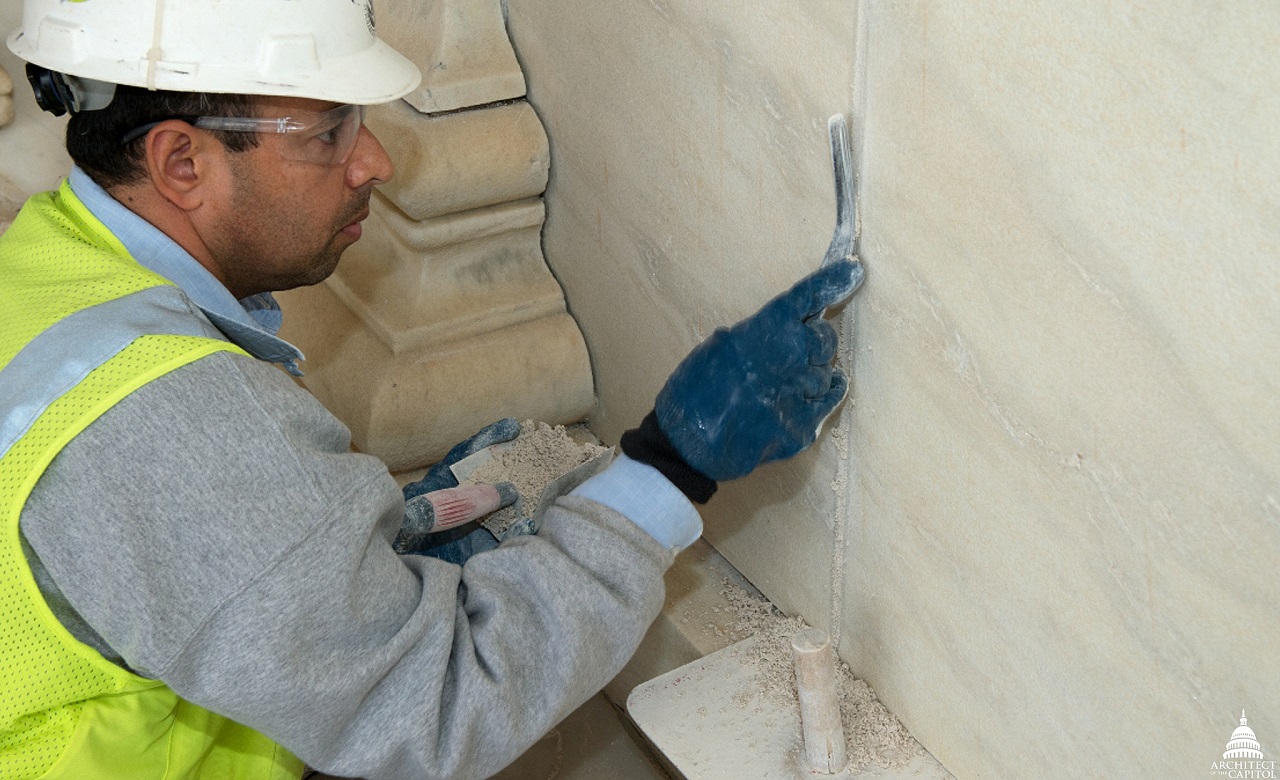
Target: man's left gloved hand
(440,476)
(750,394)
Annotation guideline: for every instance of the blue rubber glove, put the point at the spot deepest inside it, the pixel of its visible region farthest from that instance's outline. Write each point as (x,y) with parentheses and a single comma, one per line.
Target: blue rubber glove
(439,477)
(760,390)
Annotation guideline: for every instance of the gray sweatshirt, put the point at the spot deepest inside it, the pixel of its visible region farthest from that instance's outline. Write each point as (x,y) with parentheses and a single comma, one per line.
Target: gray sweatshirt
(213,531)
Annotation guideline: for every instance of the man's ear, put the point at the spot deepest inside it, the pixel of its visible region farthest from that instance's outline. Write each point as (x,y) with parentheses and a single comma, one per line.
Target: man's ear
(180,161)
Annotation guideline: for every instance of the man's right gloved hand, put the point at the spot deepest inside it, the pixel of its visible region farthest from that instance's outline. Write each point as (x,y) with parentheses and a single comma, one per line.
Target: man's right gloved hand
(750,394)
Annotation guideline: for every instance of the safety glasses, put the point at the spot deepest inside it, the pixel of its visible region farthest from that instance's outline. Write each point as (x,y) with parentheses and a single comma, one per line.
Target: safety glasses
(323,138)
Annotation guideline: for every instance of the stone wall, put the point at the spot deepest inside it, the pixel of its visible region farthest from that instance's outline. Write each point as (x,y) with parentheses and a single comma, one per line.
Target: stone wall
(1051,510)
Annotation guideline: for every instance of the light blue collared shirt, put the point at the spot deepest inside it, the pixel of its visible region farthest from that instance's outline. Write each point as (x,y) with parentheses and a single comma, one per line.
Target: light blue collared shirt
(250,324)
(633,489)
(640,493)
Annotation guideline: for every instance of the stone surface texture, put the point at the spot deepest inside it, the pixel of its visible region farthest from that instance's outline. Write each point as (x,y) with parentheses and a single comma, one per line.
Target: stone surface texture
(1051,510)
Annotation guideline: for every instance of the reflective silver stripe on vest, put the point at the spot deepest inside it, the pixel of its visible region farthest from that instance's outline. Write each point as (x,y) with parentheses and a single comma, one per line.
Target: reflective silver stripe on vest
(60,357)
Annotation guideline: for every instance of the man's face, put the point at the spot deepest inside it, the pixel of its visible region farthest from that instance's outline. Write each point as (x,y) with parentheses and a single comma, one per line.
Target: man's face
(286,221)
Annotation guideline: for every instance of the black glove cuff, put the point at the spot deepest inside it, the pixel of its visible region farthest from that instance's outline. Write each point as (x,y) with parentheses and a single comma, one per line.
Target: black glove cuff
(649,445)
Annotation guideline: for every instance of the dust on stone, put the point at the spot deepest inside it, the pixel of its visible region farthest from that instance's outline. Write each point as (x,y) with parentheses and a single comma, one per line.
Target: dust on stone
(540,454)
(873,734)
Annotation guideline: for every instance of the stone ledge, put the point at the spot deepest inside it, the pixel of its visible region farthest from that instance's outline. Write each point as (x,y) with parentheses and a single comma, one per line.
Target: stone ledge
(693,634)
(695,620)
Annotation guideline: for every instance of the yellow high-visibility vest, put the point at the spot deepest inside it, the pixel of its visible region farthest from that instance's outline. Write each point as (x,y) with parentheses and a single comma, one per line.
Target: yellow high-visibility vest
(82,325)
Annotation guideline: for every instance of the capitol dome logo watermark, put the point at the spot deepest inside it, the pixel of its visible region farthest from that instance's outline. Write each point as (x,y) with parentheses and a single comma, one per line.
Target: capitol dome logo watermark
(1243,757)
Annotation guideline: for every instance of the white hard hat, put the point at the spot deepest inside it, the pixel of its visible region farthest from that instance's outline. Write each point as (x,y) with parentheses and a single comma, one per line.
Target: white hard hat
(321,49)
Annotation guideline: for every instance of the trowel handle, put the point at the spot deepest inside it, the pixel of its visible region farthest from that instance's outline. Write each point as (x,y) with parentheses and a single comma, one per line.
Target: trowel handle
(458,505)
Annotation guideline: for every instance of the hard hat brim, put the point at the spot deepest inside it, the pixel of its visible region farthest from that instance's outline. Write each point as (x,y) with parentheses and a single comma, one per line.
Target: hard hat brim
(375,74)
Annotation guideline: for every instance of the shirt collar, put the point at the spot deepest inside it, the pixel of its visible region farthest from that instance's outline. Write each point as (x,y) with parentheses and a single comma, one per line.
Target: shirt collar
(250,324)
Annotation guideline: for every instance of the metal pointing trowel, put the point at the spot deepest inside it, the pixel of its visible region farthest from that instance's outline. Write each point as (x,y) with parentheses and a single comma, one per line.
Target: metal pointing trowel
(843,240)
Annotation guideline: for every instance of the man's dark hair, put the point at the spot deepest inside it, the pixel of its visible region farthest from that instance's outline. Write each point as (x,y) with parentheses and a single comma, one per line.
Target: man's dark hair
(94,137)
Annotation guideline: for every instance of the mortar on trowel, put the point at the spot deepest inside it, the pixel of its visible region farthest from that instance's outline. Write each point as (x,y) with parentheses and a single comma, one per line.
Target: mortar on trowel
(538,476)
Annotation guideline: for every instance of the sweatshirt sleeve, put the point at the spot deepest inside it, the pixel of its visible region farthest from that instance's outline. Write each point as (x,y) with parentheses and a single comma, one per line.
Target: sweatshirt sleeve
(249,566)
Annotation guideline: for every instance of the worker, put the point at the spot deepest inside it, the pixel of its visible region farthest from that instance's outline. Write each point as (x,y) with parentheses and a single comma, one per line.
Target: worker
(197,576)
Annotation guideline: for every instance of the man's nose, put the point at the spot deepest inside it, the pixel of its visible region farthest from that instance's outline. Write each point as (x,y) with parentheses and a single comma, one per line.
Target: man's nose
(370,163)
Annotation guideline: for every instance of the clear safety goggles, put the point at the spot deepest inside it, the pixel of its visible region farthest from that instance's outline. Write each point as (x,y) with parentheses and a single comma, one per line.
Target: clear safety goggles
(323,138)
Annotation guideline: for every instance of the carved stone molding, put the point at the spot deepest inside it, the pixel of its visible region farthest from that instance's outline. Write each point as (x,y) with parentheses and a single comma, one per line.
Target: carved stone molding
(445,317)
(6,98)
(461,47)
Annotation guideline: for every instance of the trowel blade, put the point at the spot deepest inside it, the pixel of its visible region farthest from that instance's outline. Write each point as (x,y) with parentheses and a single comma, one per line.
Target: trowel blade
(842,168)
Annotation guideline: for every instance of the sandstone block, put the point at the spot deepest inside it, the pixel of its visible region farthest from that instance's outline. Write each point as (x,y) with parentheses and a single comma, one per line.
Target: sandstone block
(461,161)
(462,48)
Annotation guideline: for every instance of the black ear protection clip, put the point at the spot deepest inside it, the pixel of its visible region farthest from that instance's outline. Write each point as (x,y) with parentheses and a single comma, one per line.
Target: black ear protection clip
(53,93)
(59,93)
